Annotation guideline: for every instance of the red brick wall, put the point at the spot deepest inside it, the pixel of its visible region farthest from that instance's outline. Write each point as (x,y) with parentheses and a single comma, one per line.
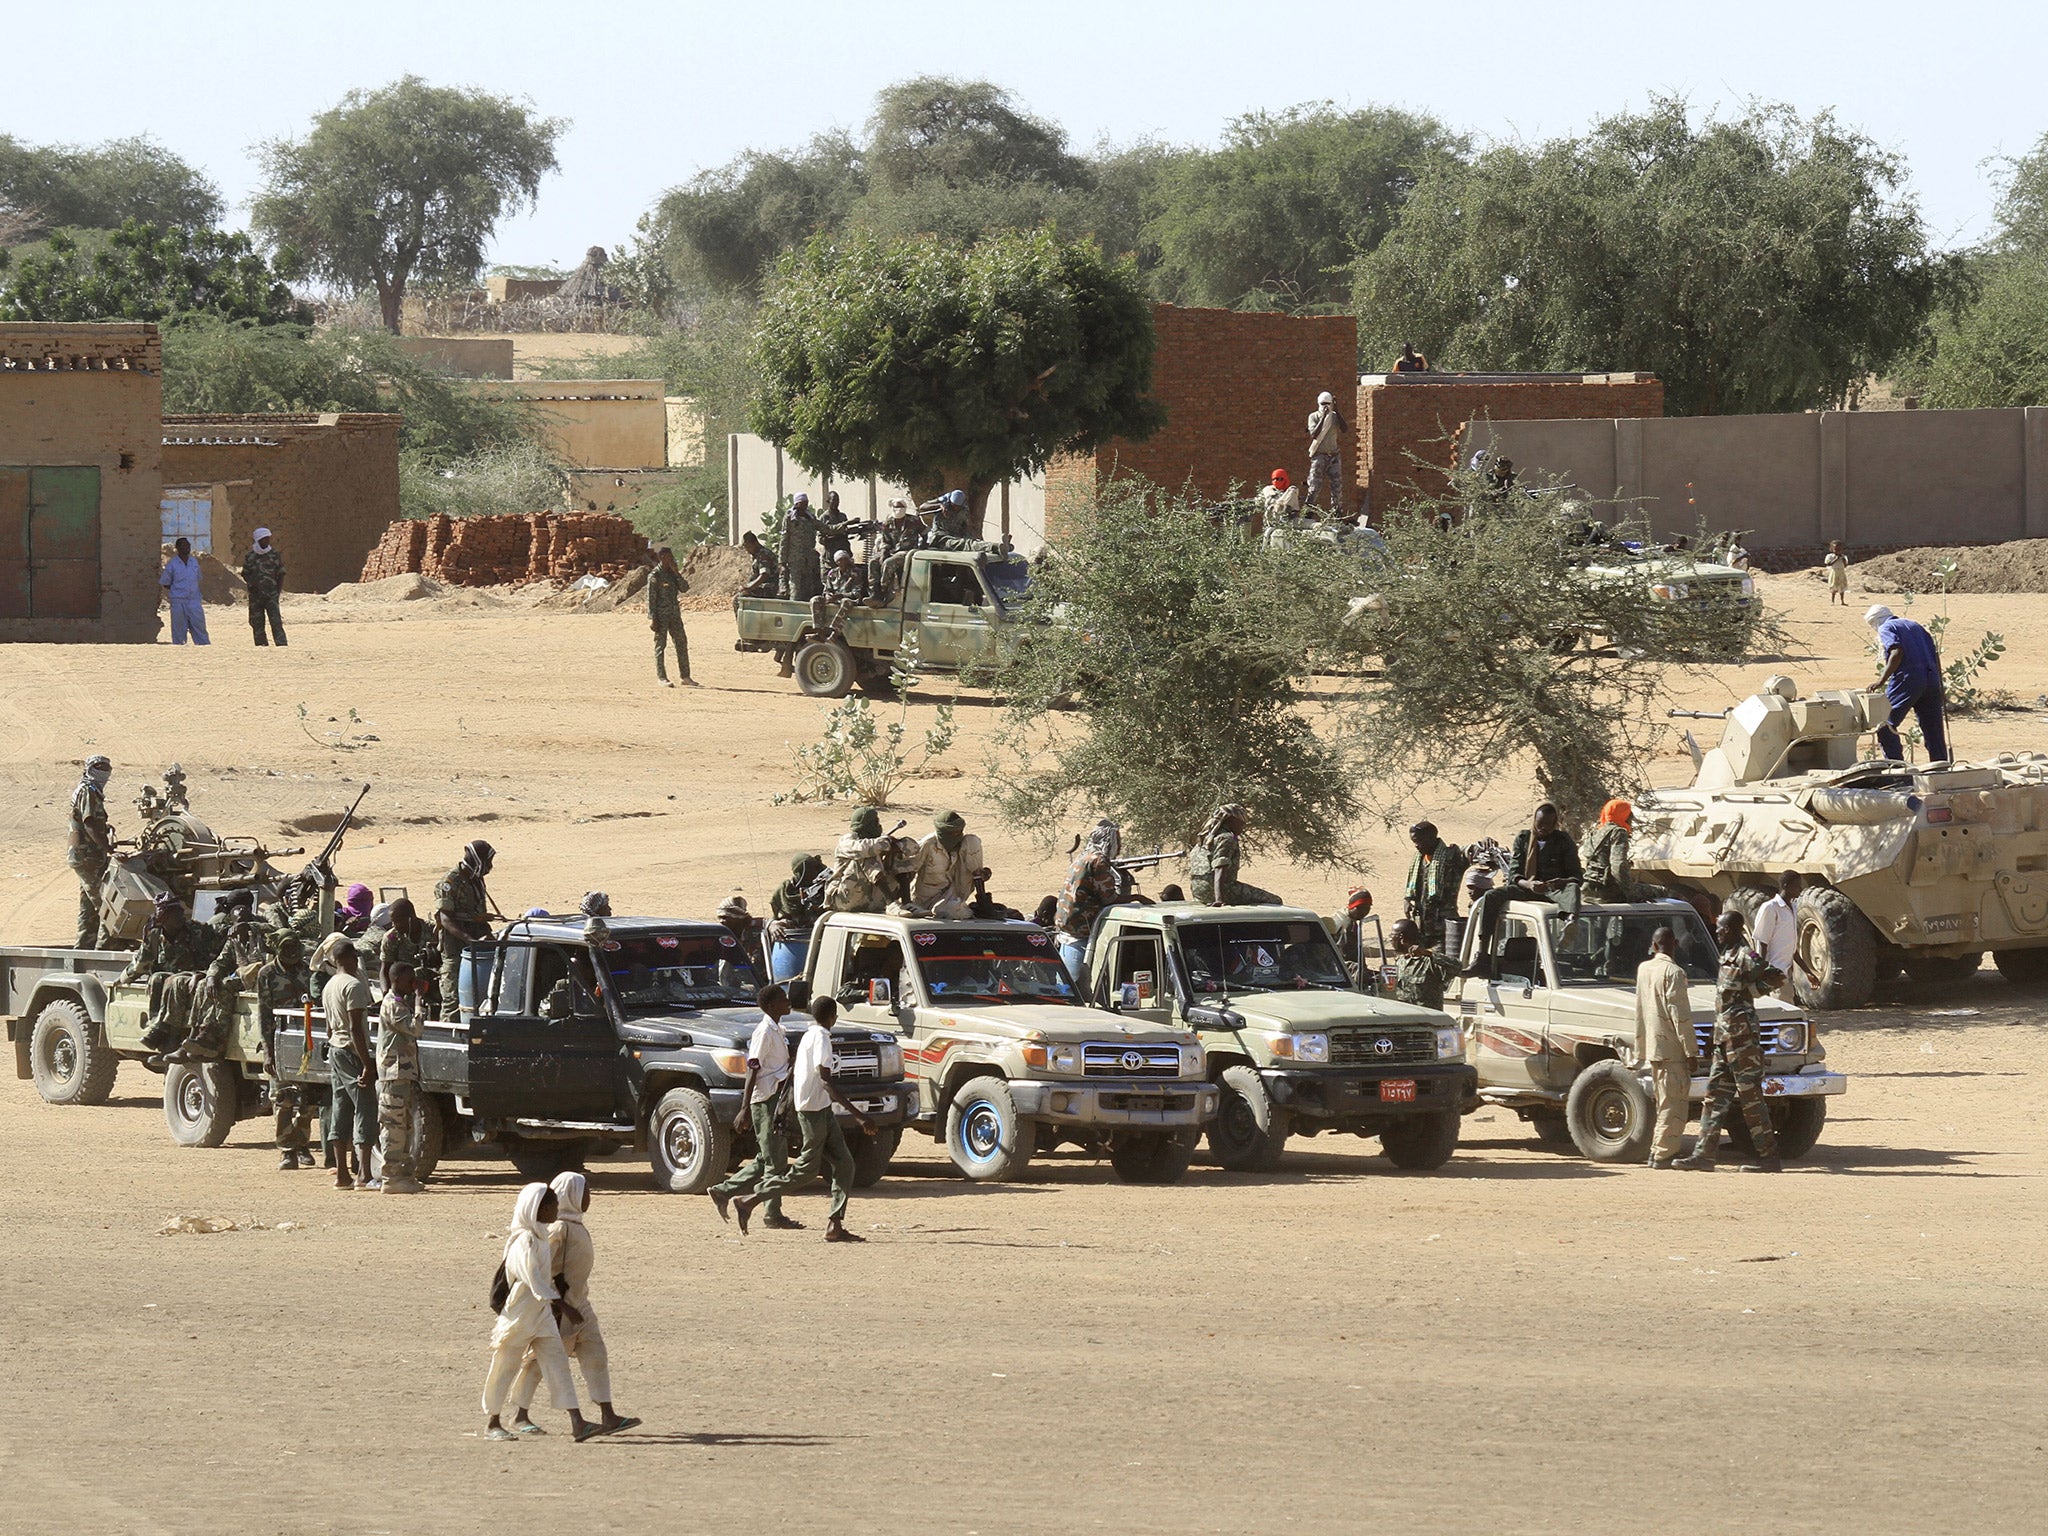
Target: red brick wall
(495,551)
(1238,389)
(1399,423)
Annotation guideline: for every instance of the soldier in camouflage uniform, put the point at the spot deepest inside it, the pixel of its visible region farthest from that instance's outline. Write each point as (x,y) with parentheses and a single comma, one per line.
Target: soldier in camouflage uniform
(1420,972)
(242,949)
(1737,1071)
(1213,863)
(1431,896)
(1608,877)
(799,552)
(398,1080)
(281,983)
(92,844)
(173,958)
(263,575)
(767,574)
(461,914)
(665,589)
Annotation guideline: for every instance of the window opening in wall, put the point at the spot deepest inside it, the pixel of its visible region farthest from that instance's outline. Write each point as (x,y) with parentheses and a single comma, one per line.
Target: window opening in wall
(188,514)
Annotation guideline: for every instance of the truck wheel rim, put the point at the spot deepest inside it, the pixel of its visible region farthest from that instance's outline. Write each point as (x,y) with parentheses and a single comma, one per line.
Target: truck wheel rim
(981,1131)
(63,1058)
(679,1143)
(192,1099)
(1237,1122)
(1610,1116)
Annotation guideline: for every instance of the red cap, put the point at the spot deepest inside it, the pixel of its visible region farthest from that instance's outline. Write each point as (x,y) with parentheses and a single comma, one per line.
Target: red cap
(1359,901)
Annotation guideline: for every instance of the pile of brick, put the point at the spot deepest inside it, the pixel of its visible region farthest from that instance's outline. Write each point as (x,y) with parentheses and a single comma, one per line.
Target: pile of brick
(508,551)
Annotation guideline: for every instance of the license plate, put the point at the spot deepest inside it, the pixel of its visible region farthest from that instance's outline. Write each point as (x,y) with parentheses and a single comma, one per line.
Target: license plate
(1400,1090)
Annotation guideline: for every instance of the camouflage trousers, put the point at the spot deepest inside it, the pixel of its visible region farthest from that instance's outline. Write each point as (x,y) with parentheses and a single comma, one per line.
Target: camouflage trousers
(398,1115)
(295,1117)
(1430,918)
(1737,1075)
(1325,474)
(213,1013)
(667,629)
(171,994)
(89,878)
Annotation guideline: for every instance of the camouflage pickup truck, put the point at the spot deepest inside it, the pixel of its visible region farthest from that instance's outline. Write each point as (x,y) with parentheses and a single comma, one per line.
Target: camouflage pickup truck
(1006,1061)
(951,609)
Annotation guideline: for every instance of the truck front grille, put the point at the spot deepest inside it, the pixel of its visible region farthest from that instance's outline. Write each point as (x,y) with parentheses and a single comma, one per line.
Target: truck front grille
(1771,1035)
(856,1061)
(1381,1047)
(1131,1060)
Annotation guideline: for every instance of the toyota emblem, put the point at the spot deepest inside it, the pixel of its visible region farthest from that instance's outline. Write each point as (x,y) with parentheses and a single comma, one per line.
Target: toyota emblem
(1134,1061)
(1383,1046)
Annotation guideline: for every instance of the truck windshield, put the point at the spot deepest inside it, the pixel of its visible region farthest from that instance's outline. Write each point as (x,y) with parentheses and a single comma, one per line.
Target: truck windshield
(1010,580)
(1020,967)
(655,972)
(1603,949)
(1260,957)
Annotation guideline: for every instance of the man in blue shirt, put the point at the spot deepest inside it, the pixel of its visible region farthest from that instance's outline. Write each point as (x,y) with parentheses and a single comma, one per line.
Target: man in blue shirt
(180,579)
(1912,682)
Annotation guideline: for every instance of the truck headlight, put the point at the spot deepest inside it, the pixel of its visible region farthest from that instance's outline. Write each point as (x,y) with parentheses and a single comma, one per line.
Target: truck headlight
(1302,1047)
(889,1060)
(1066,1058)
(1450,1044)
(731,1063)
(1792,1038)
(1749,586)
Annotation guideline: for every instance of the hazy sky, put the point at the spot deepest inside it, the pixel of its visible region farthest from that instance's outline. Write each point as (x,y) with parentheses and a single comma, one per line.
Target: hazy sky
(656,91)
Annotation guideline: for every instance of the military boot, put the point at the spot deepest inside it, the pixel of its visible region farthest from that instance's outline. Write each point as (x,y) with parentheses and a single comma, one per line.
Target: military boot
(1699,1162)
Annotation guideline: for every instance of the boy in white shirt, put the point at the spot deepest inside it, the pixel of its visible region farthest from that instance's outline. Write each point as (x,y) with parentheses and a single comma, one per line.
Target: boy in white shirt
(825,1148)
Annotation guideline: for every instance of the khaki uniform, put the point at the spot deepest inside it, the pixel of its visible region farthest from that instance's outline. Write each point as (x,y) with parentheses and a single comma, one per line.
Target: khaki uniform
(1665,1040)
(398,1084)
(460,894)
(943,881)
(1212,875)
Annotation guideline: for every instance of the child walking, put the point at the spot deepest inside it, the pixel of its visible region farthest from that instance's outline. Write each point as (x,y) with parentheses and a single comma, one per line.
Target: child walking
(572,1259)
(528,1319)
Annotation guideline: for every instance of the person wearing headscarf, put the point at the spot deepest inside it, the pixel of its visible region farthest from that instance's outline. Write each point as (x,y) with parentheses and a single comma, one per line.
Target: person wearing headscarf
(1214,860)
(1431,897)
(527,1320)
(1280,500)
(595,904)
(263,575)
(868,866)
(742,943)
(352,917)
(1347,929)
(92,845)
(1605,857)
(797,904)
(949,861)
(462,906)
(571,1258)
(1093,882)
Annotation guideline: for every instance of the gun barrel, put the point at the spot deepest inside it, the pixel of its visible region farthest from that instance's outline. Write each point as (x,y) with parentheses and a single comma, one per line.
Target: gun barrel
(1698,714)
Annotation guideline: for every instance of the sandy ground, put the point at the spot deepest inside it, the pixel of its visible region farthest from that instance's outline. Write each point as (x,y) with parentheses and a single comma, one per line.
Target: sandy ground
(1520,1342)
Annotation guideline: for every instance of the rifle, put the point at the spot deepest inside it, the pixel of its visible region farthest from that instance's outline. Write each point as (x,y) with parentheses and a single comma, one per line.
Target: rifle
(1146,861)
(324,861)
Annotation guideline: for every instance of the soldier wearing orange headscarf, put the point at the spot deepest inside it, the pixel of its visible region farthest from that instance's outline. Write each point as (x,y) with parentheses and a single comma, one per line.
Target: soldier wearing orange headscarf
(1608,877)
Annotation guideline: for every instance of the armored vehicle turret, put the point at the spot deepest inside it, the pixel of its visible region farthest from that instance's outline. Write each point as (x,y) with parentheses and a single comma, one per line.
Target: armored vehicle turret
(1914,867)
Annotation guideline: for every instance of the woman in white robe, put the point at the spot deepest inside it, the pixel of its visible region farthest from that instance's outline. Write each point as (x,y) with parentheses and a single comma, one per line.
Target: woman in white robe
(528,1321)
(572,1258)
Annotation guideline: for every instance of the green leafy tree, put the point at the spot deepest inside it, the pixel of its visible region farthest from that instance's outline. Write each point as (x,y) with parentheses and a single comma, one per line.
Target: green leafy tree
(728,224)
(55,186)
(1764,264)
(1273,219)
(931,362)
(403,184)
(1992,349)
(141,272)
(963,133)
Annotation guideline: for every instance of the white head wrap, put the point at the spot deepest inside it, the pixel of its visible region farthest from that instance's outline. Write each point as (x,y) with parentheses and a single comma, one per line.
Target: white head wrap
(1877,614)
(526,1245)
(572,1194)
(256,539)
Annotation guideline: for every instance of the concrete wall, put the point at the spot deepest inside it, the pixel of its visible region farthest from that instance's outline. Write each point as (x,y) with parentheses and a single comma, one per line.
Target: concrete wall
(83,396)
(685,432)
(1869,478)
(597,423)
(465,357)
(325,486)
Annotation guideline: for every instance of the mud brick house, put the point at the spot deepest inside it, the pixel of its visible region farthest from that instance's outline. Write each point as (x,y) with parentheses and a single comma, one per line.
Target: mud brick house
(80,407)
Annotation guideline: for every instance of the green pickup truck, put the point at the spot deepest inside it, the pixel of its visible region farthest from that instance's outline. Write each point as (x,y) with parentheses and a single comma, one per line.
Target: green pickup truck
(951,607)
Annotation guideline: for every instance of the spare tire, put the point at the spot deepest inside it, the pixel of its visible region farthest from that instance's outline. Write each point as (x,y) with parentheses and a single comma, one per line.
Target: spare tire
(1839,947)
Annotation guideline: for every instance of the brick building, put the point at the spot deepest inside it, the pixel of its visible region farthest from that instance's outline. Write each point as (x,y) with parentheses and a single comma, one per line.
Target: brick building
(325,486)
(492,551)
(1238,389)
(79,451)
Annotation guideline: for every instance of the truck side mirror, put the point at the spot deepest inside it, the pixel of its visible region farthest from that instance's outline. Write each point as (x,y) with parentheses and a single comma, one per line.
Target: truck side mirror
(798,990)
(881,993)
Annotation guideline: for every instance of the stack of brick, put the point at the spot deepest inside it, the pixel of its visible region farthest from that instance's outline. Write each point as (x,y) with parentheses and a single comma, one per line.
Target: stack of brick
(501,551)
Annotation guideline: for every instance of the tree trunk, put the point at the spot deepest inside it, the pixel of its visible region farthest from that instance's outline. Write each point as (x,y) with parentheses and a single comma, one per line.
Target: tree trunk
(391,300)
(924,487)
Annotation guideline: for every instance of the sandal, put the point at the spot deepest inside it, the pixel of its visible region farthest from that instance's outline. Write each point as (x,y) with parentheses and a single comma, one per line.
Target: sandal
(499,1432)
(588,1431)
(528,1428)
(620,1427)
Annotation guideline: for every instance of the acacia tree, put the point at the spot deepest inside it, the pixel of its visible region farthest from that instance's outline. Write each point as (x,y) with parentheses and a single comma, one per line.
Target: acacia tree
(1993,350)
(402,184)
(932,362)
(141,272)
(55,186)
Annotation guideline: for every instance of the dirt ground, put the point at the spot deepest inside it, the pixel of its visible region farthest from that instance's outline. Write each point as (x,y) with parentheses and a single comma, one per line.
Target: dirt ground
(1521,1341)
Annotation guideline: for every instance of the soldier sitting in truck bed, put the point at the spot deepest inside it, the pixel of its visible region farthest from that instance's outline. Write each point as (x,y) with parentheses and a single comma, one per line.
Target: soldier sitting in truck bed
(174,955)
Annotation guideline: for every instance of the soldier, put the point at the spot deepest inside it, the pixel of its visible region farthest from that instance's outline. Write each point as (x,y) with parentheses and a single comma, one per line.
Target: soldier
(763,1097)
(1665,1042)
(931,534)
(398,1080)
(1420,972)
(846,582)
(1347,929)
(1326,426)
(799,551)
(1213,862)
(174,956)
(279,984)
(462,906)
(408,941)
(1542,866)
(1280,501)
(263,575)
(665,587)
(835,531)
(825,1151)
(766,574)
(352,1096)
(1737,1071)
(1431,897)
(91,852)
(743,936)
(955,515)
(1093,882)
(948,864)
(797,904)
(1607,877)
(241,950)
(595,904)
(868,867)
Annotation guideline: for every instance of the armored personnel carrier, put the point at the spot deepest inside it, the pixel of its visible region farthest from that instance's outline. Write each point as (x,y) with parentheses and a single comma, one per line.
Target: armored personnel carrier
(1914,867)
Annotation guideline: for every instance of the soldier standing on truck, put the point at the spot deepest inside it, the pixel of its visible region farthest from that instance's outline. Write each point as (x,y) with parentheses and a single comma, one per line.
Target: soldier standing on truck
(1326,426)
(1431,897)
(1214,859)
(665,589)
(279,984)
(1093,882)
(1737,1071)
(461,908)
(92,845)
(825,1151)
(1912,684)
(764,1094)
(398,1080)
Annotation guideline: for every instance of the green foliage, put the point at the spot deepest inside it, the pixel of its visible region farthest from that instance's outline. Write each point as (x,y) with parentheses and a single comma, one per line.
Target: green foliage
(1273,219)
(1963,690)
(53,186)
(2023,205)
(1159,673)
(142,272)
(507,478)
(1994,352)
(402,184)
(1764,264)
(862,760)
(961,133)
(926,360)
(726,225)
(687,513)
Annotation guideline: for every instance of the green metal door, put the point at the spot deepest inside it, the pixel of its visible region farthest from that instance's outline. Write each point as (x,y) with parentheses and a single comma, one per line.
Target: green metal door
(64,541)
(13,543)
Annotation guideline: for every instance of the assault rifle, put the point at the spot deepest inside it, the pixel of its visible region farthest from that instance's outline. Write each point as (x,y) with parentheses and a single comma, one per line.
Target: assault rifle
(321,869)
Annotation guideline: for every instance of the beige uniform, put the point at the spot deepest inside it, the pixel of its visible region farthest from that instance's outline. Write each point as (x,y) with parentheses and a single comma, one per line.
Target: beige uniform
(573,1257)
(1664,1039)
(943,881)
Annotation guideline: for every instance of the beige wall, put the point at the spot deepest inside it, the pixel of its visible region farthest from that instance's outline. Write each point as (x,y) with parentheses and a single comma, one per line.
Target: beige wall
(597,423)
(1866,477)
(466,357)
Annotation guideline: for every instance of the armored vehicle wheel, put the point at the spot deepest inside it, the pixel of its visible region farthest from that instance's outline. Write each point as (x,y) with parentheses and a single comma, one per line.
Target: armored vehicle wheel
(1611,1114)
(1553,1131)
(1748,900)
(69,1061)
(430,1137)
(982,1133)
(540,1159)
(871,1155)
(1424,1142)
(1840,949)
(1152,1157)
(202,1101)
(2021,967)
(1798,1123)
(825,669)
(1942,970)
(1249,1133)
(689,1146)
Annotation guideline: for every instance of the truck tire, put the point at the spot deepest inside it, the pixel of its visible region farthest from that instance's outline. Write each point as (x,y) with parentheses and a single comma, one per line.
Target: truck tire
(539,1158)
(1553,1130)
(430,1137)
(71,1064)
(202,1101)
(825,669)
(1249,1133)
(689,1146)
(1611,1114)
(983,1135)
(871,1155)
(2021,967)
(1942,970)
(1839,946)
(1422,1141)
(1152,1157)
(1798,1123)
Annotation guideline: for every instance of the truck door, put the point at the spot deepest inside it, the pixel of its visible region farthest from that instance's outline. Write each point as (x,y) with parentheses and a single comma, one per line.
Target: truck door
(1504,1020)
(957,625)
(1134,982)
(525,1064)
(870,957)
